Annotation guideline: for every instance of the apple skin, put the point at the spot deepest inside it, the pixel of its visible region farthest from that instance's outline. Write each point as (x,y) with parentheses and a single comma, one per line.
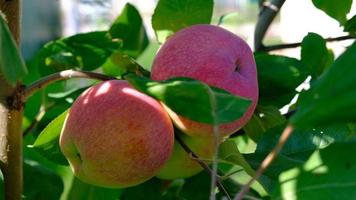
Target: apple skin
(215,56)
(181,164)
(115,136)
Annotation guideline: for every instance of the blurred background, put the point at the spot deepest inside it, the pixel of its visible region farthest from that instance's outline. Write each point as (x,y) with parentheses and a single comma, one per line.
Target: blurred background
(47,20)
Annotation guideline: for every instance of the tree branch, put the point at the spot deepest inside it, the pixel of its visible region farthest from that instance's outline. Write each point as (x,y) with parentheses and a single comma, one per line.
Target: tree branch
(63,75)
(265,18)
(11,113)
(297,44)
(267,161)
(203,165)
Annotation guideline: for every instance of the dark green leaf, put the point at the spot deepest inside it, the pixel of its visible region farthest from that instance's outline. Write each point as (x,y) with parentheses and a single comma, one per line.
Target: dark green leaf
(84,191)
(264,118)
(196,187)
(86,51)
(40,183)
(350,25)
(193,99)
(315,55)
(150,190)
(332,98)
(12,65)
(328,174)
(334,8)
(173,15)
(47,141)
(278,76)
(129,28)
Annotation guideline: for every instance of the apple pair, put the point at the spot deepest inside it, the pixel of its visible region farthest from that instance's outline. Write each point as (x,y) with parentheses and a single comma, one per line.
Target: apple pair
(115,136)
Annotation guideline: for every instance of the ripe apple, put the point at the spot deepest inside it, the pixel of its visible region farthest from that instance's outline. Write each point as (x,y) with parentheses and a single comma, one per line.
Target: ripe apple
(215,56)
(115,136)
(181,164)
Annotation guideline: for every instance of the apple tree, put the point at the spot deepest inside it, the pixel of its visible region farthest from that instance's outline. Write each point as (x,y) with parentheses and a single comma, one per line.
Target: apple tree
(68,103)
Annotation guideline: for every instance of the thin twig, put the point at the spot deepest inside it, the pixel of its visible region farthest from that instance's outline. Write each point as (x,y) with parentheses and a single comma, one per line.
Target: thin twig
(267,161)
(297,44)
(63,75)
(203,165)
(265,18)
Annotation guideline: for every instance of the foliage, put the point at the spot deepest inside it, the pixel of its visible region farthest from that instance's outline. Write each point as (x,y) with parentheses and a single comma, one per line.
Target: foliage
(316,162)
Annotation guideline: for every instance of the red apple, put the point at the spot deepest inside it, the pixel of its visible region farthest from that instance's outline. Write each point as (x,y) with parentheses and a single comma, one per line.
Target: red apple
(115,136)
(215,56)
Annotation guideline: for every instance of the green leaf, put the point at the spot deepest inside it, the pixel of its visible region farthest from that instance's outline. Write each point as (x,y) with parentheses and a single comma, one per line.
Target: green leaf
(300,145)
(323,176)
(235,167)
(86,51)
(47,141)
(84,191)
(193,99)
(173,15)
(119,64)
(332,97)
(278,76)
(228,152)
(149,190)
(12,65)
(129,28)
(334,8)
(264,118)
(196,187)
(315,55)
(350,25)
(40,183)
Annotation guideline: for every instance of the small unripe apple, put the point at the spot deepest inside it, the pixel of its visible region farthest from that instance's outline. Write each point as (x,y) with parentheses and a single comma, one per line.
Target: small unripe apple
(183,165)
(215,56)
(115,136)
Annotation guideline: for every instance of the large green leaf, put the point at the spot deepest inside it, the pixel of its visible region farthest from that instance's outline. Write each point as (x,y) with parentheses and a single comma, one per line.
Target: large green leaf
(278,77)
(332,98)
(329,173)
(315,55)
(173,15)
(298,148)
(82,51)
(264,118)
(334,8)
(47,141)
(193,99)
(129,28)
(12,65)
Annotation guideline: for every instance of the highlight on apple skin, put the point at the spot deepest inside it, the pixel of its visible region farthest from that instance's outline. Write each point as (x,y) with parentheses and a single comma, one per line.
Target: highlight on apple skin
(215,56)
(115,136)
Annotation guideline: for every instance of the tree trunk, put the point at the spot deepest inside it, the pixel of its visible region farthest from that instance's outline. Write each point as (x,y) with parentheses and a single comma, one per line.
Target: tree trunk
(11,112)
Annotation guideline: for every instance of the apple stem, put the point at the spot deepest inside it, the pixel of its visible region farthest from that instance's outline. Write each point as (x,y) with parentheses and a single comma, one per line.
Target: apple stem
(63,75)
(267,161)
(203,165)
